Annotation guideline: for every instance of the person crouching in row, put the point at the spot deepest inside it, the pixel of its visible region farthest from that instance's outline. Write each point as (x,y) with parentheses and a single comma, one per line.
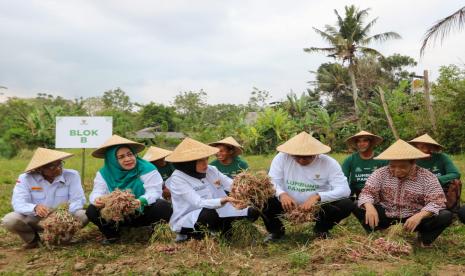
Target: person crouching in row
(124,170)
(43,186)
(198,194)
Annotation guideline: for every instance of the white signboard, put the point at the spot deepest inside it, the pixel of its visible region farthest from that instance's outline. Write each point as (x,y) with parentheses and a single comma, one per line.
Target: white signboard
(82,132)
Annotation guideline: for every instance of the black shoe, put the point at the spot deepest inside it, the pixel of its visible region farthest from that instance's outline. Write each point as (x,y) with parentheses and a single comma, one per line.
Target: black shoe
(273,237)
(109,241)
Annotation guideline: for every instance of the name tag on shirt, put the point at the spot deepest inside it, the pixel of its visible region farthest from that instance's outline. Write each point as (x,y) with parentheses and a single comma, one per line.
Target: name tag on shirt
(36,188)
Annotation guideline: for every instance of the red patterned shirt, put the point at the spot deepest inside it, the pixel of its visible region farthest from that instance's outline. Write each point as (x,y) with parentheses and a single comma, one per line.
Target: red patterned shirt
(402,198)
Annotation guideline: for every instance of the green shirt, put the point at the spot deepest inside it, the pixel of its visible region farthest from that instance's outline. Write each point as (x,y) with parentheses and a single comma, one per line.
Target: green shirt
(440,165)
(357,170)
(166,171)
(237,166)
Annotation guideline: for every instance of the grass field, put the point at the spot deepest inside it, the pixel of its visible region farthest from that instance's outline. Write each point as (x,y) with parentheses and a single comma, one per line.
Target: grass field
(136,255)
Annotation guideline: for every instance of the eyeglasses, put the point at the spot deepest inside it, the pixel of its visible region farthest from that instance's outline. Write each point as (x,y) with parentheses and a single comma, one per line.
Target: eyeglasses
(122,156)
(54,166)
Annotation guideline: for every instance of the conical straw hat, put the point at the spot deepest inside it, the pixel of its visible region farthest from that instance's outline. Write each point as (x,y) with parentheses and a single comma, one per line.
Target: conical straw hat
(303,144)
(190,150)
(44,156)
(154,153)
(231,142)
(425,138)
(351,141)
(401,150)
(117,140)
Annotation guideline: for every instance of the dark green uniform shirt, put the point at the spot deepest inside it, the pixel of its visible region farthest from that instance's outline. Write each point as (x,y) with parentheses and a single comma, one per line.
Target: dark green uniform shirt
(166,171)
(440,165)
(357,170)
(237,166)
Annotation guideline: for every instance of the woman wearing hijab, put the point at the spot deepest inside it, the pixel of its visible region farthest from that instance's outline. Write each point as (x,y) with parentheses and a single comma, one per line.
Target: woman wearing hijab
(124,170)
(198,193)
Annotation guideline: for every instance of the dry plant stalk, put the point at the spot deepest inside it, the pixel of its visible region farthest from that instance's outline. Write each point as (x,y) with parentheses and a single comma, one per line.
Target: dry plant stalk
(118,205)
(252,189)
(162,233)
(354,247)
(59,226)
(298,216)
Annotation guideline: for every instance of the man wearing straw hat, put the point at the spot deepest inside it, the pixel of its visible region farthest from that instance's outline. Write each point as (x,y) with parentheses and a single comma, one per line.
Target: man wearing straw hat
(358,166)
(43,186)
(406,193)
(156,156)
(442,166)
(227,159)
(303,177)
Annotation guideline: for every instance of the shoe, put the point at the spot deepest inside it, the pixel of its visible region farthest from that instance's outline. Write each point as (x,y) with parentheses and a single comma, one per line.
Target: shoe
(273,237)
(181,238)
(109,241)
(35,243)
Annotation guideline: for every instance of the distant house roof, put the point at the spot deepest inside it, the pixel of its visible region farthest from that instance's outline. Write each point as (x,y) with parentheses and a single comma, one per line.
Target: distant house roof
(151,132)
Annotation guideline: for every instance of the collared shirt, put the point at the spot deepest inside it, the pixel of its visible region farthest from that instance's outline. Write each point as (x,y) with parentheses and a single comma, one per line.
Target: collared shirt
(403,198)
(189,195)
(32,189)
(323,177)
(357,170)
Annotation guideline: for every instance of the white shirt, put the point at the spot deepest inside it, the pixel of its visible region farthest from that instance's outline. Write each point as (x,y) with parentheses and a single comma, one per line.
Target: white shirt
(189,195)
(32,189)
(323,176)
(152,184)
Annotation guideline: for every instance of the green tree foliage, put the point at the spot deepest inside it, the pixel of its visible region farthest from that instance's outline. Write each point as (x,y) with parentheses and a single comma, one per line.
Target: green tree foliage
(157,115)
(117,99)
(349,38)
(449,107)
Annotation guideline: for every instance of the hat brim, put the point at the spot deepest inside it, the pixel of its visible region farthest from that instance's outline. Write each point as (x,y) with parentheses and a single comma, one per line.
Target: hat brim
(100,152)
(187,156)
(352,141)
(237,150)
(28,170)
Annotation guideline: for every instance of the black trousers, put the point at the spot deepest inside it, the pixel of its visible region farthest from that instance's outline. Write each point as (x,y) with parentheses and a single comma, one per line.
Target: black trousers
(210,220)
(153,213)
(429,228)
(330,214)
(461,214)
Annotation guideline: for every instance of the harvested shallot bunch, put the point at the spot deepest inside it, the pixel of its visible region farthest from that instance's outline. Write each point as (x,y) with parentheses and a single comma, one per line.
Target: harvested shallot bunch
(252,189)
(118,205)
(59,226)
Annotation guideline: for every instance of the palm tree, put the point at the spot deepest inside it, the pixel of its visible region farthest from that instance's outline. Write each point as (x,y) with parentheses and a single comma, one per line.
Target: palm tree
(442,28)
(347,39)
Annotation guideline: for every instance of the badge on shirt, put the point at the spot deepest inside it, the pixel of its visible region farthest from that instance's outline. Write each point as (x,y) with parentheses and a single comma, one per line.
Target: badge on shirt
(36,188)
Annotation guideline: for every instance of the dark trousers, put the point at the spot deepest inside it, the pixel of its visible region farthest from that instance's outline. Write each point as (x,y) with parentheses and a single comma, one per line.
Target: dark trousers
(461,214)
(330,214)
(429,228)
(354,193)
(153,213)
(210,220)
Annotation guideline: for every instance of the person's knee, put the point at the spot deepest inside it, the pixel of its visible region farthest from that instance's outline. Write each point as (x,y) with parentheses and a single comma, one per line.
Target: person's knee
(11,221)
(253,214)
(92,213)
(82,217)
(445,217)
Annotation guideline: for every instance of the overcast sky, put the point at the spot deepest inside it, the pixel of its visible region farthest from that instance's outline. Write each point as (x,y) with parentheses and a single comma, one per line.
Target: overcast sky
(155,49)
